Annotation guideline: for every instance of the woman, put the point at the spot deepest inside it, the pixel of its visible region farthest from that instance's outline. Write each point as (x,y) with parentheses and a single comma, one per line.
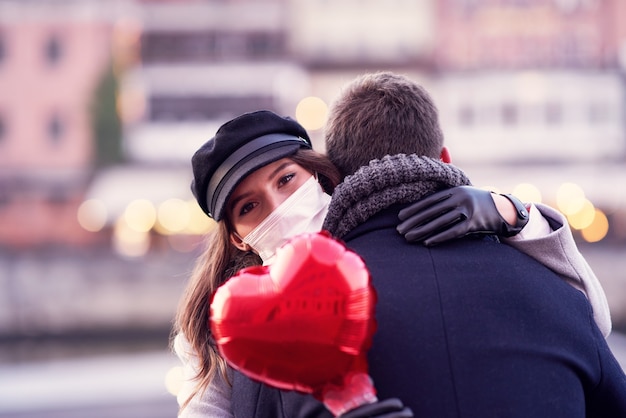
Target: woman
(287,195)
(278,150)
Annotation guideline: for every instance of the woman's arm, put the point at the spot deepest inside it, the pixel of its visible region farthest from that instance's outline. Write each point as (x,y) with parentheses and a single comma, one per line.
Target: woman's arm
(553,245)
(214,401)
(540,232)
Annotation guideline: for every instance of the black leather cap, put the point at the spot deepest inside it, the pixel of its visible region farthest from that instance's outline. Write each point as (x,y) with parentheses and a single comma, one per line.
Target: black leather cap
(239,147)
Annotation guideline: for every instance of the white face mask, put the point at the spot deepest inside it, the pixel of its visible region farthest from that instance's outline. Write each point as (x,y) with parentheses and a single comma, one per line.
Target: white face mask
(304,211)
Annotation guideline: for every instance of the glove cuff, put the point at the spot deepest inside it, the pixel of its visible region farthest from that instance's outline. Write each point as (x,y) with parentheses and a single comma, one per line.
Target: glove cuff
(521,219)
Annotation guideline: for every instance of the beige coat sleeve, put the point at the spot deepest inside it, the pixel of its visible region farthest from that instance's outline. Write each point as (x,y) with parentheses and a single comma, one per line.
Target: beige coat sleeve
(214,402)
(558,251)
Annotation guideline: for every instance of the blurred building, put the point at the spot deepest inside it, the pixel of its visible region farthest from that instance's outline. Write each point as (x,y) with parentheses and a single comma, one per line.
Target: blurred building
(199,64)
(52,56)
(531,98)
(202,63)
(532,81)
(336,41)
(535,85)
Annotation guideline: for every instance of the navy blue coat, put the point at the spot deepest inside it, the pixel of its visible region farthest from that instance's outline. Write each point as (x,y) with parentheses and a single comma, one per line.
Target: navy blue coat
(475,328)
(472,328)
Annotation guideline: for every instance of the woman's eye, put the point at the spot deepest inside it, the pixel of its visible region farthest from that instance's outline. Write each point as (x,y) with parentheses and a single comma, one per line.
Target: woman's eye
(285,179)
(246,208)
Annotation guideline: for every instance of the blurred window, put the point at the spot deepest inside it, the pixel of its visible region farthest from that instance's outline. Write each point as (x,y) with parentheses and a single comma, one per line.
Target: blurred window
(53,50)
(509,114)
(2,48)
(167,108)
(230,45)
(467,6)
(265,45)
(568,6)
(57,196)
(3,129)
(466,115)
(56,129)
(177,46)
(554,113)
(570,50)
(598,113)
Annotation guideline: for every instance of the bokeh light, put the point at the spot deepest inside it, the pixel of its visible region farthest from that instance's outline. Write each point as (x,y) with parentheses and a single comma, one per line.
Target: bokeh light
(174,380)
(311,112)
(92,215)
(527,192)
(173,216)
(570,198)
(140,215)
(583,217)
(128,241)
(199,222)
(598,229)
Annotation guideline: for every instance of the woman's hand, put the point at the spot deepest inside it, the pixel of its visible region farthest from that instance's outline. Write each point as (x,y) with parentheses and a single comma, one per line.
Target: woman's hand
(461,211)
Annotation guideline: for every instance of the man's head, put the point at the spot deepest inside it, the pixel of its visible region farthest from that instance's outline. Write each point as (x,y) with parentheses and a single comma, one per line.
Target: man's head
(381,114)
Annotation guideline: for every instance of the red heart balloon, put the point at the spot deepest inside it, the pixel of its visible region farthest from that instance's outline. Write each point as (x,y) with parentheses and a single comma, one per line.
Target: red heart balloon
(305,323)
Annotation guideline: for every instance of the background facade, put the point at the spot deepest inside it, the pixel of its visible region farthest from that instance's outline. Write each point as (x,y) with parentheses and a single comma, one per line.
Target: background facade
(102,104)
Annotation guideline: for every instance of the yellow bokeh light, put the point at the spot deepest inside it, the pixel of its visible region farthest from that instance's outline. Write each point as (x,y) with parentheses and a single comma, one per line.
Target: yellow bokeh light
(174,379)
(199,222)
(173,215)
(527,192)
(598,228)
(92,215)
(140,215)
(311,112)
(570,198)
(128,241)
(584,217)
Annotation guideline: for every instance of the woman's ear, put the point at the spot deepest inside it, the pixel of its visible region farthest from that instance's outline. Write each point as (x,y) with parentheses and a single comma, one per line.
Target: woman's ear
(445,155)
(236,240)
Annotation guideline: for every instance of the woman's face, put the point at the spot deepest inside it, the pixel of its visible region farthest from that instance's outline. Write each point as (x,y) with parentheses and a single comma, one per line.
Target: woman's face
(263,191)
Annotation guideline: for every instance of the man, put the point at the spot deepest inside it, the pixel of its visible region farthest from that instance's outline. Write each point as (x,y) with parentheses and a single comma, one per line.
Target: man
(470,327)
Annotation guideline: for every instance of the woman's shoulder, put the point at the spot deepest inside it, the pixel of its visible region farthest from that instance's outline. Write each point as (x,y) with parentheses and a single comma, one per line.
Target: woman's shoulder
(183,349)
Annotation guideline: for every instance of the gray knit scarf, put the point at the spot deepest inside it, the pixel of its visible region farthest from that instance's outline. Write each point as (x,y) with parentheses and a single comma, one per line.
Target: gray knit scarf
(393,179)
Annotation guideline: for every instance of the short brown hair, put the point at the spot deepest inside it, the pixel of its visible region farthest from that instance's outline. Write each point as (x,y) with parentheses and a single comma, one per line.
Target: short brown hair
(381,114)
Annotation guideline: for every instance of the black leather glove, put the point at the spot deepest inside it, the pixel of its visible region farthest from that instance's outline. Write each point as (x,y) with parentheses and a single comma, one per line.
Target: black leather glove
(389,408)
(455,213)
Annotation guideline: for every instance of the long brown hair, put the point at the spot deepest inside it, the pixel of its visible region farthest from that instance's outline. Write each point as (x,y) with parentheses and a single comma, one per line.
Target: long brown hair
(219,261)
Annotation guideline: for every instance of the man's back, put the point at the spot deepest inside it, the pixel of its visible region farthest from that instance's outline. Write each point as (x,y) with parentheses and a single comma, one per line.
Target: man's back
(475,328)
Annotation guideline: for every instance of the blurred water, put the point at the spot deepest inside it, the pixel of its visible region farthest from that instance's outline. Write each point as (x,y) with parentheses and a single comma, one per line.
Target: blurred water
(122,385)
(105,370)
